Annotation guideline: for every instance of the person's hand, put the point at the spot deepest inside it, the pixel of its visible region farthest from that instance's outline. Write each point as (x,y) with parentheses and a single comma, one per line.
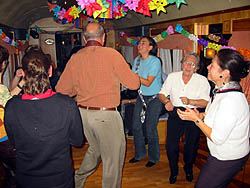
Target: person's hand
(185,100)
(19,73)
(189,114)
(169,106)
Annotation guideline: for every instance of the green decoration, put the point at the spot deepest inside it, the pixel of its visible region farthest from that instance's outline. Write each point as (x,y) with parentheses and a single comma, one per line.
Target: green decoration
(178,2)
(164,34)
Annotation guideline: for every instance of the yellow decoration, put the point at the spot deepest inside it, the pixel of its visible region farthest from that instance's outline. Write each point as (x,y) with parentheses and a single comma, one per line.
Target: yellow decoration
(159,38)
(158,5)
(98,12)
(214,46)
(74,12)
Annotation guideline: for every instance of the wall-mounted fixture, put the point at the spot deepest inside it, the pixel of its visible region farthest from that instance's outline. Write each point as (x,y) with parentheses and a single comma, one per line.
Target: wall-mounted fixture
(209,53)
(34,33)
(49,41)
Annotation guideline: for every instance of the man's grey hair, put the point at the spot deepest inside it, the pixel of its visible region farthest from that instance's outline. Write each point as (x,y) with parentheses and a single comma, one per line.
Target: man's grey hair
(98,34)
(195,56)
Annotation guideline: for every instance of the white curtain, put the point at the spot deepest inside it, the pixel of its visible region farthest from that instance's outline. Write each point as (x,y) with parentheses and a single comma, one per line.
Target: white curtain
(127,52)
(177,56)
(166,61)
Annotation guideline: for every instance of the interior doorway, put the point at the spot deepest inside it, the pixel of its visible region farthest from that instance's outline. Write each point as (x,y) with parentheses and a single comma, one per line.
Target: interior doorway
(64,44)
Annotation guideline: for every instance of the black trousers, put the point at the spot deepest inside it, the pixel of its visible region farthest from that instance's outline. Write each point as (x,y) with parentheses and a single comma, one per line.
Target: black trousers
(8,160)
(175,129)
(217,173)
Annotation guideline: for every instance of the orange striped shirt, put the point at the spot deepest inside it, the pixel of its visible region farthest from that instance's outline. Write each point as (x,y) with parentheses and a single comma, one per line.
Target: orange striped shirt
(94,75)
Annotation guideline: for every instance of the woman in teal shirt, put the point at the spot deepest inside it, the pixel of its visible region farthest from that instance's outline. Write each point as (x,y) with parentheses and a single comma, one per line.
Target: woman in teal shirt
(148,107)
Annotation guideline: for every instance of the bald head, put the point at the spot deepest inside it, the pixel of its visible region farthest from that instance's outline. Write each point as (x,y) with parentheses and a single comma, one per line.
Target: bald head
(94,31)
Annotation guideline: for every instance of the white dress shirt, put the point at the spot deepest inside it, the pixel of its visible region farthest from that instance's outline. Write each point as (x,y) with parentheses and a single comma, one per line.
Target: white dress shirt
(228,116)
(196,88)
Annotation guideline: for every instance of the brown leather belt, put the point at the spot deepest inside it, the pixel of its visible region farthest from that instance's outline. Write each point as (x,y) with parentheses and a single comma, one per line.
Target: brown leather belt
(98,108)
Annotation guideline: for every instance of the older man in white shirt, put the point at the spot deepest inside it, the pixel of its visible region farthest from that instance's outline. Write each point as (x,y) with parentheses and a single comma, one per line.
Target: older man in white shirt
(181,89)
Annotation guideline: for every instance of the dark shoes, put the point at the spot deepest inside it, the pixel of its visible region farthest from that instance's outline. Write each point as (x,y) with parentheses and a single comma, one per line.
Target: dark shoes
(189,177)
(172,179)
(149,164)
(133,160)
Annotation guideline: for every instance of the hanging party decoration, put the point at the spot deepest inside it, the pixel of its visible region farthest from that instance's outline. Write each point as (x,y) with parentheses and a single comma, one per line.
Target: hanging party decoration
(109,9)
(51,6)
(158,38)
(228,47)
(129,40)
(207,44)
(158,5)
(10,41)
(217,39)
(193,37)
(75,12)
(180,29)
(244,52)
(132,4)
(143,7)
(60,14)
(164,34)
(178,2)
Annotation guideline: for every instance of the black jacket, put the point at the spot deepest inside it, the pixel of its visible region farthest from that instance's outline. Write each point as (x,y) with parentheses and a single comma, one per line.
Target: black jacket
(42,132)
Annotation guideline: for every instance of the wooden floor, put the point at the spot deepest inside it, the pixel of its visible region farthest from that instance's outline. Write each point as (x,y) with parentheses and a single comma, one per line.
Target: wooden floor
(137,175)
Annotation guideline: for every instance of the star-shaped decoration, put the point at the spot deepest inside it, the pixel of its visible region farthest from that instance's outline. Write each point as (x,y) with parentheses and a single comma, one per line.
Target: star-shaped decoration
(178,2)
(143,7)
(51,7)
(158,5)
(98,12)
(61,13)
(68,16)
(74,12)
(84,3)
(56,10)
(132,4)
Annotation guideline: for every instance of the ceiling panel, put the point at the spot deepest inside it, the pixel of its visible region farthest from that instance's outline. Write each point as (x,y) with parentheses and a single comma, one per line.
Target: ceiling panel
(22,13)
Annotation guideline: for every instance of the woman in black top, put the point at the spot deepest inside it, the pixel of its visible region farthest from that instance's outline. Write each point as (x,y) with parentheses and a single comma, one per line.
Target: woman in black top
(41,125)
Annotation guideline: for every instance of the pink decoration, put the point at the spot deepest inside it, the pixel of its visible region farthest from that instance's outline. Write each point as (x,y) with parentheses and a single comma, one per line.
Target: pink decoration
(228,47)
(61,13)
(84,3)
(170,30)
(132,4)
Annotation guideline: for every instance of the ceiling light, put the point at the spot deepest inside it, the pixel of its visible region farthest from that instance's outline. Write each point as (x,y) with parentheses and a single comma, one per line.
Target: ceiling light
(54,2)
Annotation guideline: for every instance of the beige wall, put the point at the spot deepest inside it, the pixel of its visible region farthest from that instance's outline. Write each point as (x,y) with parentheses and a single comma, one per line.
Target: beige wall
(49,25)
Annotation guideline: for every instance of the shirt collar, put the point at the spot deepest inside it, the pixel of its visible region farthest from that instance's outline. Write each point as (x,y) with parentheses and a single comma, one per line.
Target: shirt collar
(93,43)
(44,95)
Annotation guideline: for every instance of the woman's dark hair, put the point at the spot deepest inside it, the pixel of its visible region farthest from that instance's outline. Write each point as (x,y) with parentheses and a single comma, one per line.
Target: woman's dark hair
(4,56)
(153,44)
(36,66)
(234,62)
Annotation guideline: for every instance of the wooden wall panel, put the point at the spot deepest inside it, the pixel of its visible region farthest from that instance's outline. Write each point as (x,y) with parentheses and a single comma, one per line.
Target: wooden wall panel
(214,18)
(241,25)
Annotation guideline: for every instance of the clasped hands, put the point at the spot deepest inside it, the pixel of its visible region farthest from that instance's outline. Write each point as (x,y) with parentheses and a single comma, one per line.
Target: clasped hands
(189,114)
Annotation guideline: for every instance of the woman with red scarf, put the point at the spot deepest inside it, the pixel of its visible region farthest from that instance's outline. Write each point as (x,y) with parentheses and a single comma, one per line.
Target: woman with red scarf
(41,125)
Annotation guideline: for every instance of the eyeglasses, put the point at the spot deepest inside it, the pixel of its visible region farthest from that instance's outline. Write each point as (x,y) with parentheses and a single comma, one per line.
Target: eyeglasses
(190,63)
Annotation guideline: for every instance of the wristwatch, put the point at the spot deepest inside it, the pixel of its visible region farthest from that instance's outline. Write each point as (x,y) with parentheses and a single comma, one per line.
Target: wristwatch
(197,121)
(20,87)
